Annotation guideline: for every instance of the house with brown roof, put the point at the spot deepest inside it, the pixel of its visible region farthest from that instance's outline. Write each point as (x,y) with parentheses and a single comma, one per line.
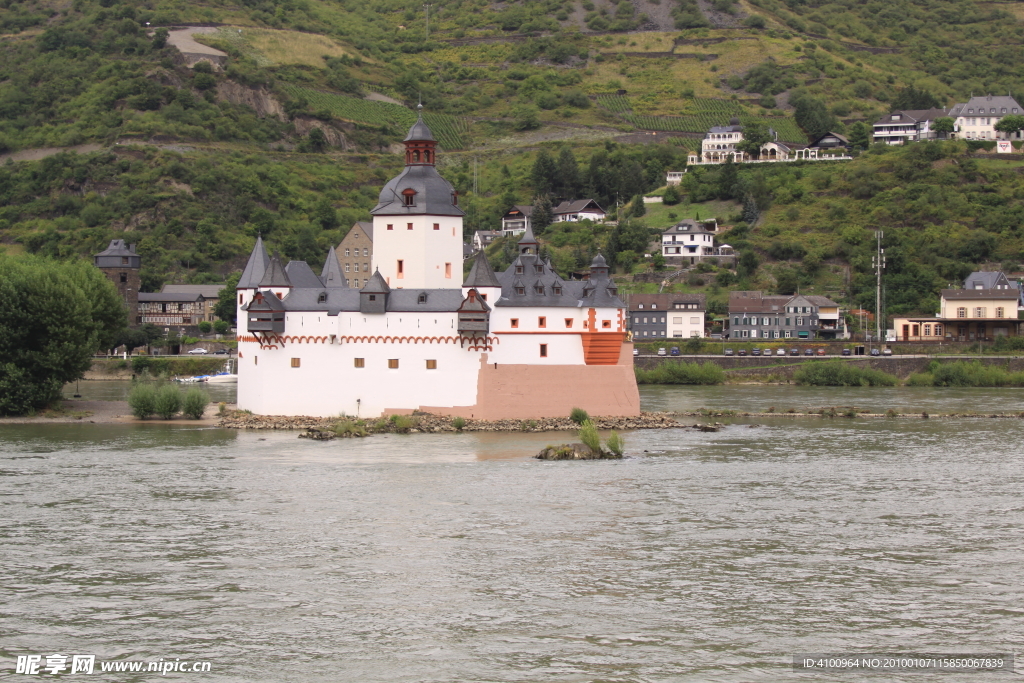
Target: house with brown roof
(753,315)
(578,210)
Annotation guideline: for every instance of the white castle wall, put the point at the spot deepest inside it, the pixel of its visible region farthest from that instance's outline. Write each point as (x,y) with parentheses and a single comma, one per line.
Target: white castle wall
(424,252)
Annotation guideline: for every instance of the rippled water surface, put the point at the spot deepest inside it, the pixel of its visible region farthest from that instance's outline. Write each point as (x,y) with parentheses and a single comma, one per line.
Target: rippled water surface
(702,556)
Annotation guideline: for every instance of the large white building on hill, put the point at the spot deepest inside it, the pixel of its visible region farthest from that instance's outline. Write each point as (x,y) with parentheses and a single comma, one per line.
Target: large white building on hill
(519,344)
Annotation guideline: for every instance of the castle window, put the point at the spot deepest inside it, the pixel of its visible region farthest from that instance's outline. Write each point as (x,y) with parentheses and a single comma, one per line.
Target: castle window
(521,291)
(408,226)
(437,226)
(455,198)
(519,270)
(543,350)
(422,299)
(448,270)
(608,323)
(431,365)
(539,289)
(393,363)
(359,362)
(568,322)
(239,298)
(357,268)
(296,362)
(401,269)
(124,277)
(539,268)
(391,226)
(542,321)
(322,298)
(255,360)
(124,260)
(373,297)
(514,322)
(346,252)
(347,266)
(557,290)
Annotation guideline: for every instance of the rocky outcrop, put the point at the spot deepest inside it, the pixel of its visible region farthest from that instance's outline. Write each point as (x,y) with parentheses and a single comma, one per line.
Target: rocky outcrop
(317,435)
(574,451)
(260,99)
(334,137)
(439,423)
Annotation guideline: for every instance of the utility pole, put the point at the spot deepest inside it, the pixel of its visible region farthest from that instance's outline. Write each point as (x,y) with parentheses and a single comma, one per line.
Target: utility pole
(426,7)
(878,263)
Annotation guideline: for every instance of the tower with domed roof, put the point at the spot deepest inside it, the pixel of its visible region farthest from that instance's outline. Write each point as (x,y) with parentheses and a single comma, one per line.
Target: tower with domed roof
(417,223)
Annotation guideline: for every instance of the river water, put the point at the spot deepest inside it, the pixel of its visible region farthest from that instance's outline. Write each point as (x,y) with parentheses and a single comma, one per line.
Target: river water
(701,556)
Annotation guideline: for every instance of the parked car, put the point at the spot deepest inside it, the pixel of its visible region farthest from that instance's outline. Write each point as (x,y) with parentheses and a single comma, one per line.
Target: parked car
(222,352)
(636,352)
(728,352)
(755,352)
(196,352)
(821,352)
(808,352)
(794,352)
(661,351)
(674,351)
(743,352)
(780,352)
(876,352)
(847,352)
(886,351)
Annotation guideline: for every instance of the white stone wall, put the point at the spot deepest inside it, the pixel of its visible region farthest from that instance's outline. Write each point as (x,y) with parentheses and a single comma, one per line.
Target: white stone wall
(431,259)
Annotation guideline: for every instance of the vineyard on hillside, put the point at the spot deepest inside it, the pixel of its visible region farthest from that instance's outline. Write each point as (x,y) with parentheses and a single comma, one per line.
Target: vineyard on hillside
(447,129)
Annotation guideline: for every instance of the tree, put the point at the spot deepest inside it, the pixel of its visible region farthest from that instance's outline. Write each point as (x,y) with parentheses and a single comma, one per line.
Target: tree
(727,180)
(226,305)
(945,125)
(671,196)
(912,98)
(657,261)
(325,214)
(627,236)
(524,117)
(317,140)
(638,206)
(811,114)
(541,216)
(544,173)
(755,134)
(568,174)
(748,264)
(860,135)
(53,317)
(160,38)
(1011,124)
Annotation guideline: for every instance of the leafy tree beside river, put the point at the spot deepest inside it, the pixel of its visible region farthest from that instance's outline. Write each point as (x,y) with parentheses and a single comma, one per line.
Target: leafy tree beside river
(53,317)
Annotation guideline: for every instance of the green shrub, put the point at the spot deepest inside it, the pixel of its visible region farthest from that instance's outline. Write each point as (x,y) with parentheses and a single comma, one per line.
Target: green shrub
(349,428)
(168,401)
(615,444)
(403,423)
(459,423)
(681,373)
(221,326)
(579,416)
(194,403)
(142,400)
(590,437)
(840,374)
(965,374)
(205,326)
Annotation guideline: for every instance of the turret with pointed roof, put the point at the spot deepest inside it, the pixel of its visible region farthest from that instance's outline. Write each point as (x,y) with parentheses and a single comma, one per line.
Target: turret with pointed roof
(373,298)
(275,275)
(256,267)
(331,275)
(481,275)
(528,243)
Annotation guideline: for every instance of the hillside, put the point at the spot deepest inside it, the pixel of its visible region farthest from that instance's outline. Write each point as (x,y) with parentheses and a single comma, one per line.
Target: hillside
(293,132)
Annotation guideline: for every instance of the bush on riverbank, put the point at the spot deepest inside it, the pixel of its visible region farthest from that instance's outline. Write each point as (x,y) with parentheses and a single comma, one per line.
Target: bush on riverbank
(183,367)
(142,400)
(965,374)
(840,374)
(146,400)
(681,373)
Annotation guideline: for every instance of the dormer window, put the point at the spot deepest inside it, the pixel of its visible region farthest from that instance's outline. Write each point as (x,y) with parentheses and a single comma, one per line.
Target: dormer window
(422,298)
(322,299)
(455,198)
(970,111)
(557,290)
(409,197)
(640,306)
(539,289)
(521,291)
(613,291)
(519,270)
(539,268)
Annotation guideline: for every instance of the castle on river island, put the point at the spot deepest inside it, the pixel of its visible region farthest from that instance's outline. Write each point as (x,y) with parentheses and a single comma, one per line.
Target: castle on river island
(523,343)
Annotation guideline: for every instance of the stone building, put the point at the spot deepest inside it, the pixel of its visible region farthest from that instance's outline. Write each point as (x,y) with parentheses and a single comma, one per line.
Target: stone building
(121,265)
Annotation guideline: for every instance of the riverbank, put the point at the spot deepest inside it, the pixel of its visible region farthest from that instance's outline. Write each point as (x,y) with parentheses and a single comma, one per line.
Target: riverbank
(104,412)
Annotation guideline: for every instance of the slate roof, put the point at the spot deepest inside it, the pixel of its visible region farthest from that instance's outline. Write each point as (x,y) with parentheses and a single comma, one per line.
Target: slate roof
(367,227)
(299,274)
(208,291)
(434,195)
(665,301)
(841,138)
(275,275)
(967,294)
(481,275)
(169,296)
(756,302)
(419,130)
(331,275)
(986,104)
(988,279)
(821,301)
(118,248)
(256,267)
(911,116)
(686,226)
(538,282)
(575,206)
(526,210)
(376,284)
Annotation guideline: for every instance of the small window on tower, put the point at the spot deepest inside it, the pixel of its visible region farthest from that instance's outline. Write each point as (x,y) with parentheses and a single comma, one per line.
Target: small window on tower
(539,268)
(393,363)
(543,350)
(124,277)
(431,365)
(360,362)
(519,270)
(373,297)
(606,323)
(448,270)
(296,362)
(539,289)
(437,226)
(391,226)
(542,321)
(322,298)
(514,322)
(422,299)
(401,268)
(124,260)
(521,291)
(455,198)
(568,322)
(557,290)
(408,226)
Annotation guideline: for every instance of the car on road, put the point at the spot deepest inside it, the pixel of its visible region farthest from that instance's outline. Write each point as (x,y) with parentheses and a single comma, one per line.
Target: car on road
(674,351)
(886,352)
(636,352)
(743,352)
(222,352)
(197,352)
(780,352)
(755,352)
(821,352)
(661,351)
(876,352)
(728,352)
(794,352)
(847,352)
(808,352)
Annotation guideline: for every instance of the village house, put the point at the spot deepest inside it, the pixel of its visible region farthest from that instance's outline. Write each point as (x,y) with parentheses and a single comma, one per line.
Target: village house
(209,293)
(172,309)
(666,316)
(483,238)
(907,126)
(690,242)
(516,220)
(578,210)
(753,315)
(985,308)
(721,144)
(976,119)
(355,254)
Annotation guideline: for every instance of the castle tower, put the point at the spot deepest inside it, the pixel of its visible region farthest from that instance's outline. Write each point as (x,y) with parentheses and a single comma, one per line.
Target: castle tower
(417,223)
(121,265)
